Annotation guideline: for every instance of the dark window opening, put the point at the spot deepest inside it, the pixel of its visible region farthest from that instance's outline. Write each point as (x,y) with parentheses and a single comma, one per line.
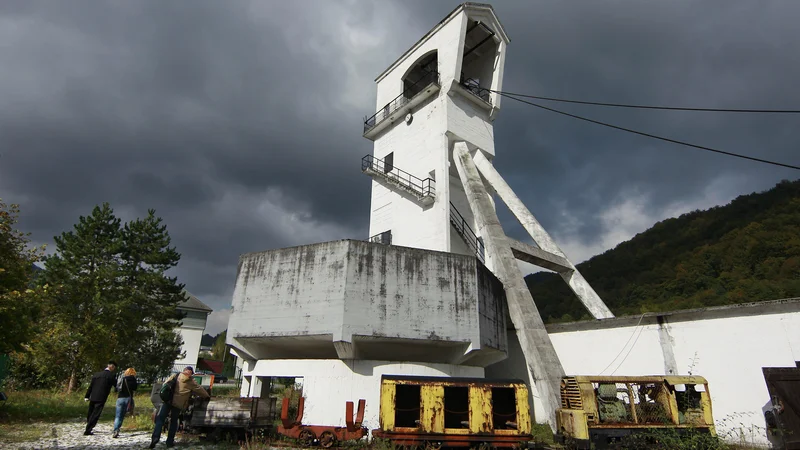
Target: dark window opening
(423,74)
(388,163)
(479,58)
(407,406)
(797,363)
(504,408)
(689,399)
(456,407)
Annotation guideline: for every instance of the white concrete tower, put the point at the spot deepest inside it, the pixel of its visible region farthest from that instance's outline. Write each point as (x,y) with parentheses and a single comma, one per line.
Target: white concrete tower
(433,179)
(436,94)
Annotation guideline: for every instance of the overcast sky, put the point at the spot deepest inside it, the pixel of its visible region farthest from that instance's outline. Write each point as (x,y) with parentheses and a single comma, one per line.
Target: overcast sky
(240,121)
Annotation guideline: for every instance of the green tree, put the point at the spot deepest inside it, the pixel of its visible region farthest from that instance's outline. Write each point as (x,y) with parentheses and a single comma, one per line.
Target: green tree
(160,347)
(219,349)
(84,311)
(151,297)
(113,299)
(19,304)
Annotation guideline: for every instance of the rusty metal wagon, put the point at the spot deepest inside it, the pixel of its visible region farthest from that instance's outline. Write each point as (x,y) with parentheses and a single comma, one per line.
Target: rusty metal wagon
(325,435)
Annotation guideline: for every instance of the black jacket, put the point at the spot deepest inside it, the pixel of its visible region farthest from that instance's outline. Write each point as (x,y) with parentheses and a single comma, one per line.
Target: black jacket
(128,386)
(101,385)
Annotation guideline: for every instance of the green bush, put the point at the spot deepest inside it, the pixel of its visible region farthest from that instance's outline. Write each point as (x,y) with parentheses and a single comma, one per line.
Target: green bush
(671,439)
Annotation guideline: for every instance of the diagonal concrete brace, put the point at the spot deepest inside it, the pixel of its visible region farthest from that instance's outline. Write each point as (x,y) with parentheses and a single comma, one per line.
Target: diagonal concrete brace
(540,356)
(582,289)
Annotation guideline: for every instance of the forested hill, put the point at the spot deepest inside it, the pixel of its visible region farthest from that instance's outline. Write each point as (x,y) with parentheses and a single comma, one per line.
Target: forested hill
(745,251)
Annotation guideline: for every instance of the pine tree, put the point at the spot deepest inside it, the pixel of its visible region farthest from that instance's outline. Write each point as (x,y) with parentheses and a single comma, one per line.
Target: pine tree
(113,299)
(151,298)
(83,315)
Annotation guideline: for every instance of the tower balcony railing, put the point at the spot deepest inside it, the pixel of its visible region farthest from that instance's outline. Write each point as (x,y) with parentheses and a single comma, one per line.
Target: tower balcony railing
(474,87)
(405,98)
(465,231)
(422,189)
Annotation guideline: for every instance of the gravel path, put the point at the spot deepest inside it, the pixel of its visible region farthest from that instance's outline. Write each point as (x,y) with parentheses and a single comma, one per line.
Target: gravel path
(70,436)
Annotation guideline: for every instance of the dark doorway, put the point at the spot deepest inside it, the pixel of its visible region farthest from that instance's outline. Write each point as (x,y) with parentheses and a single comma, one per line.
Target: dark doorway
(456,407)
(504,408)
(407,406)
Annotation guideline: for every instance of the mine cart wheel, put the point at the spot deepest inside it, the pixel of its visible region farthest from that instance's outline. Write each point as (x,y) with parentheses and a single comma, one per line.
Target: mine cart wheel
(327,439)
(306,438)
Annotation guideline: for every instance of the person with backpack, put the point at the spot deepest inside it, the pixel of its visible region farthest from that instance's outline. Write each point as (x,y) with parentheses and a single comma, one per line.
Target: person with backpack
(127,386)
(175,393)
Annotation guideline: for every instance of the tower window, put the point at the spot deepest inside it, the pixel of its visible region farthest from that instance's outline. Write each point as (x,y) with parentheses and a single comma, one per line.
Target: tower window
(478,60)
(424,72)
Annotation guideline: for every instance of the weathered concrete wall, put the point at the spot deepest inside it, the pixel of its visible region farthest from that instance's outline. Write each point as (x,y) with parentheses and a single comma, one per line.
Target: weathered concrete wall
(354,299)
(328,384)
(726,345)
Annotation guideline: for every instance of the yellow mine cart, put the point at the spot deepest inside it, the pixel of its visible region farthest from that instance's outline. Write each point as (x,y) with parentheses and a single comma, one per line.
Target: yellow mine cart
(453,412)
(601,410)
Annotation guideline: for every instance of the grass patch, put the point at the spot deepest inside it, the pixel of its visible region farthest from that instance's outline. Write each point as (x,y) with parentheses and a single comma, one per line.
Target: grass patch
(542,434)
(225,390)
(15,433)
(142,421)
(25,407)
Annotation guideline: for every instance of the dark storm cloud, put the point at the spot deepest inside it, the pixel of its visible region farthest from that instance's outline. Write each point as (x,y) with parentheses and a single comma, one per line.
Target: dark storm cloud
(239,122)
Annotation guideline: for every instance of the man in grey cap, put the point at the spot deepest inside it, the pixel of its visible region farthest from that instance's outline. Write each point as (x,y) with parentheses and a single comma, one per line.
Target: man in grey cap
(184,388)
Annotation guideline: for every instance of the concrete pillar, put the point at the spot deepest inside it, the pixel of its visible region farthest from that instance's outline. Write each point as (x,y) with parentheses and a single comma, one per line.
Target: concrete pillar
(582,289)
(540,356)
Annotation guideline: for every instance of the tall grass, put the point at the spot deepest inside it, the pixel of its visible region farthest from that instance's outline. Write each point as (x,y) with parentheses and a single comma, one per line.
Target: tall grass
(44,405)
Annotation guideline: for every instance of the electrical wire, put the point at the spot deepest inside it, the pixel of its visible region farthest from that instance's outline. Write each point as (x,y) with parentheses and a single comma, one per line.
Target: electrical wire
(629,350)
(666,108)
(624,346)
(674,141)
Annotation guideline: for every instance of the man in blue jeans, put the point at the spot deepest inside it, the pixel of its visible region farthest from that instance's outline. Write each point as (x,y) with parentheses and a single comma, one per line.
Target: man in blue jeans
(180,398)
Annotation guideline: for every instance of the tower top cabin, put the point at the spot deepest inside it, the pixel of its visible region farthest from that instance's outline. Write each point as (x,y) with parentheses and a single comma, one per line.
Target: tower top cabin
(437,93)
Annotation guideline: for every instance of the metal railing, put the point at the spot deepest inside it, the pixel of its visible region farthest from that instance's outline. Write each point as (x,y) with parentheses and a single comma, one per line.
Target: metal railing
(466,233)
(401,100)
(382,238)
(421,188)
(475,88)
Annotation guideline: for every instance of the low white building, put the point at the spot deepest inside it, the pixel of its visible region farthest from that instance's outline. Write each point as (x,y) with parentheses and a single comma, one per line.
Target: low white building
(191,330)
(728,345)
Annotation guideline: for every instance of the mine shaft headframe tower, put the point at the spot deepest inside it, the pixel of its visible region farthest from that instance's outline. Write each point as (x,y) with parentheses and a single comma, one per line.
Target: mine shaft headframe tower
(433,180)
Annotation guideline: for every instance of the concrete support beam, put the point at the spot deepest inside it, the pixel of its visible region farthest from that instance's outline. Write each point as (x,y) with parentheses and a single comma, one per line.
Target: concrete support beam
(582,289)
(543,363)
(539,257)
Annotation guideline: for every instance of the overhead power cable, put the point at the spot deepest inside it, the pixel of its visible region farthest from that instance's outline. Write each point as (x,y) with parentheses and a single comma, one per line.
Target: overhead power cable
(674,141)
(667,108)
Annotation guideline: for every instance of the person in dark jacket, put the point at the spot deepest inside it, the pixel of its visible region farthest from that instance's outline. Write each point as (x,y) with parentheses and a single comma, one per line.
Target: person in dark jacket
(125,397)
(97,394)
